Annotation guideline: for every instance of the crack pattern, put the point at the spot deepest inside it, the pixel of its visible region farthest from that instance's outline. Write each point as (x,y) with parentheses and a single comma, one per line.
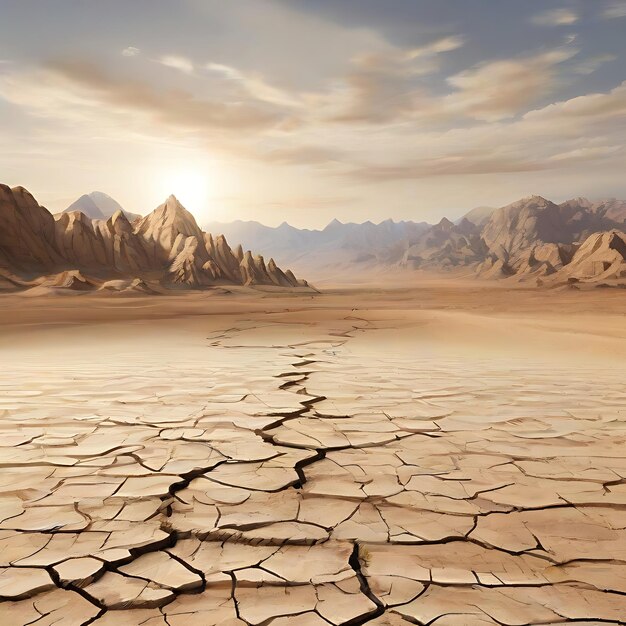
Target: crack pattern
(307,478)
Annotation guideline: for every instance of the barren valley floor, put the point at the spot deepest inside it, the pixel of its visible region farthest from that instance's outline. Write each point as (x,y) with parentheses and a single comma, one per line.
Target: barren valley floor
(448,455)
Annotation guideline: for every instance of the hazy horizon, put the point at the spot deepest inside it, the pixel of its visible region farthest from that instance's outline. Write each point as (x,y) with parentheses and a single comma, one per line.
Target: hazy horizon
(453,216)
(274,111)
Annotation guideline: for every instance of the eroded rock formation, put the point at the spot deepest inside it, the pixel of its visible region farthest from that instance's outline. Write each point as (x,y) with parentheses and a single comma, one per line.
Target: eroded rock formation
(165,247)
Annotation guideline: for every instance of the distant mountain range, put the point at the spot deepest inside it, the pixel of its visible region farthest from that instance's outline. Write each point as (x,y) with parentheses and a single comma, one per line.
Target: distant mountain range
(532,238)
(164,250)
(338,247)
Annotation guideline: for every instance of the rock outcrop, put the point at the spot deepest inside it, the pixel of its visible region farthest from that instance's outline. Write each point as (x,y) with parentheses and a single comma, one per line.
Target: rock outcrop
(165,247)
(27,234)
(601,257)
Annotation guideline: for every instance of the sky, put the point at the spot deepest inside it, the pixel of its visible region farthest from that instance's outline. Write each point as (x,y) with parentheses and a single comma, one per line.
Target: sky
(308,110)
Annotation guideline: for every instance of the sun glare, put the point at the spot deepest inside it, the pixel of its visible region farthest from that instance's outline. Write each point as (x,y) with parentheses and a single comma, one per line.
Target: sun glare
(191,187)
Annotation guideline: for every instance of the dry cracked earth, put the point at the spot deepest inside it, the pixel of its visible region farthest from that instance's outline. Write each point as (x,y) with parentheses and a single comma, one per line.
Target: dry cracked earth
(292,470)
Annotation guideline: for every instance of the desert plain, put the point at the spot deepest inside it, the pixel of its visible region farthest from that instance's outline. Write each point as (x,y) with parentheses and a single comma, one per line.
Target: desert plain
(444,454)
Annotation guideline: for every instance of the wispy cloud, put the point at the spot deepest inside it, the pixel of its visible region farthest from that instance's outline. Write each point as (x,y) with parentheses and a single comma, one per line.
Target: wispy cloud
(438,46)
(558,136)
(381,86)
(591,108)
(306,154)
(502,89)
(131,51)
(453,165)
(590,65)
(614,10)
(555,17)
(256,86)
(82,89)
(177,62)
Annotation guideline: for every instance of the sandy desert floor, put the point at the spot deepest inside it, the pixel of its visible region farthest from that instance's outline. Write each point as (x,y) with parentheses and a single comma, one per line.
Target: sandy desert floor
(446,455)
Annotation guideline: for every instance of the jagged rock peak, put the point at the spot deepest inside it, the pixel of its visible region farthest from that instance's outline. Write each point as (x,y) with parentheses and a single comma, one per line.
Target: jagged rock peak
(69,217)
(119,223)
(119,216)
(167,222)
(334,224)
(172,207)
(445,224)
(534,201)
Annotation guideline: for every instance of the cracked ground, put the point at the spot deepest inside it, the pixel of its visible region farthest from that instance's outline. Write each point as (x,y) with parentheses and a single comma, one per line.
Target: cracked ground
(311,462)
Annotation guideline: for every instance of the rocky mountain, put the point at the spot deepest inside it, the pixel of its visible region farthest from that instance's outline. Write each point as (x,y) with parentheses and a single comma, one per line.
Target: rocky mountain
(479,215)
(446,246)
(611,210)
(536,237)
(535,220)
(27,234)
(165,249)
(349,247)
(531,239)
(98,206)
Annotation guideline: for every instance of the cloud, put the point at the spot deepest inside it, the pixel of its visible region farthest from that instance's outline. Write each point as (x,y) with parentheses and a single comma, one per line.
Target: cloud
(479,126)
(501,89)
(418,60)
(452,165)
(388,88)
(382,86)
(588,109)
(594,63)
(439,46)
(78,91)
(555,17)
(131,51)
(587,154)
(176,62)
(614,10)
(564,135)
(306,155)
(374,97)
(255,86)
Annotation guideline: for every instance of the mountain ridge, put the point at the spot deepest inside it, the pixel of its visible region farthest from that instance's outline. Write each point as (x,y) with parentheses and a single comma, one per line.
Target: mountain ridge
(530,238)
(165,249)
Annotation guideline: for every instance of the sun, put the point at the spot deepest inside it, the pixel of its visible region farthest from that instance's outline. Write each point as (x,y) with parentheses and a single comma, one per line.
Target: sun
(191,187)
